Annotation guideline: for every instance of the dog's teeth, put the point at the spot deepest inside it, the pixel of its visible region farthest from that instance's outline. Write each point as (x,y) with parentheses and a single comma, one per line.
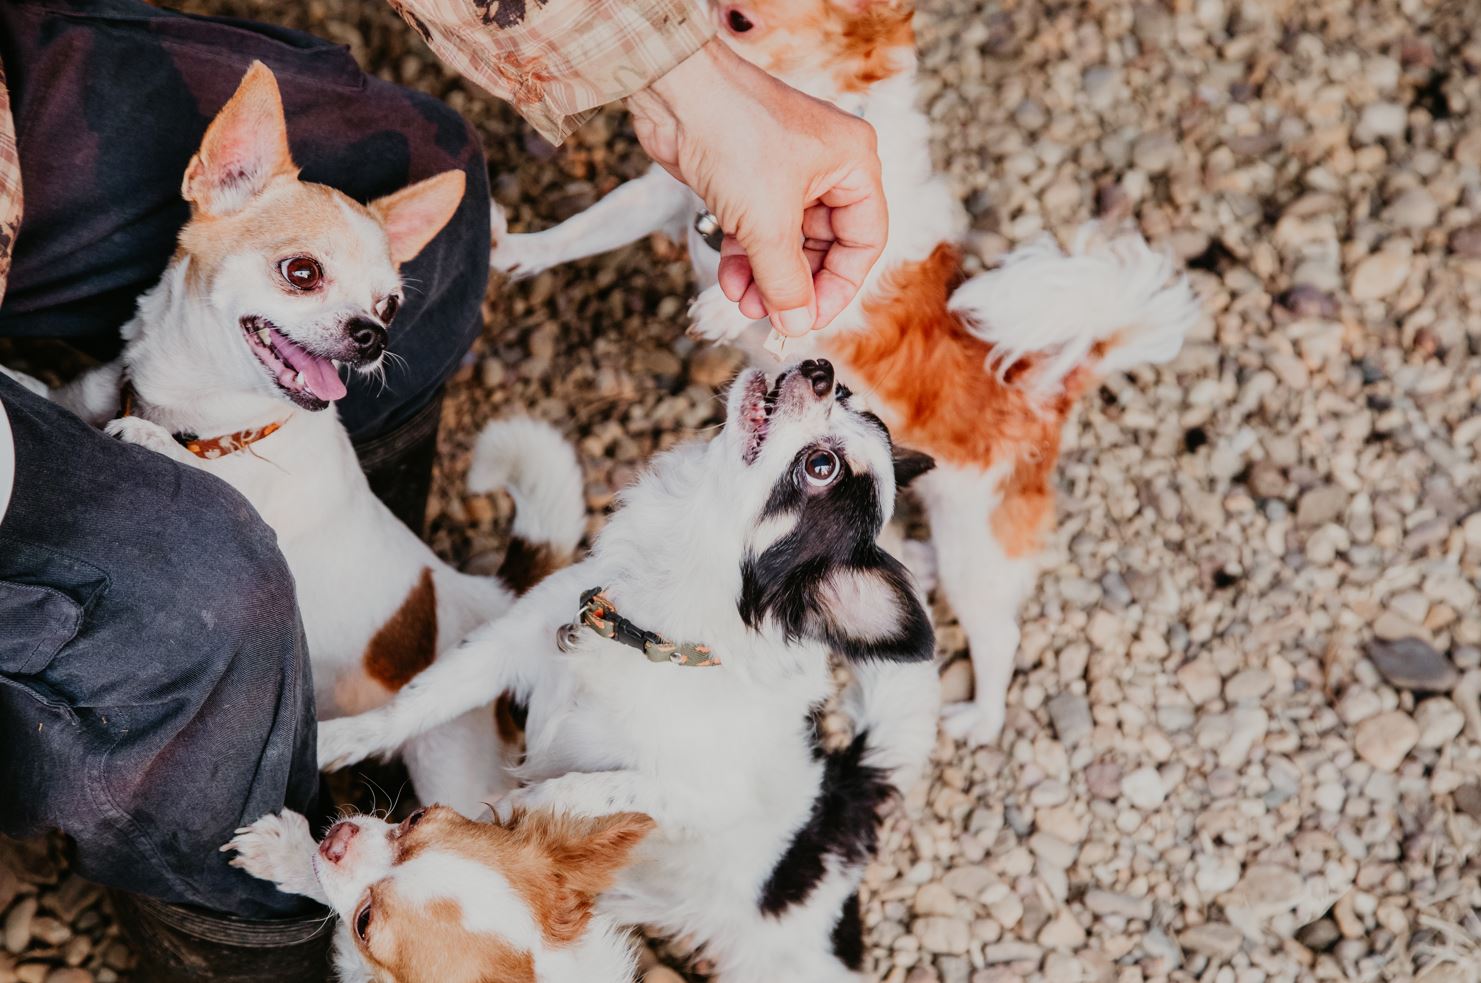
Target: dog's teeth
(298,378)
(262,335)
(337,364)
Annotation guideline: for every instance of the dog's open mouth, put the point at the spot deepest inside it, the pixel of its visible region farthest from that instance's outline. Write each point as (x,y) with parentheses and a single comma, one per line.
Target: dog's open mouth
(757,405)
(310,380)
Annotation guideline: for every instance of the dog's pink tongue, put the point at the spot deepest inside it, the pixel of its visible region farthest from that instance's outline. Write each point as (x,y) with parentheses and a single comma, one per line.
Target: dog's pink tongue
(320,377)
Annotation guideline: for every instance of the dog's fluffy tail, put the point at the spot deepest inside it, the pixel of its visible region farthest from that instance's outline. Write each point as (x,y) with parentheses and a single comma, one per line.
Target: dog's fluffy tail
(538,467)
(1105,304)
(894,706)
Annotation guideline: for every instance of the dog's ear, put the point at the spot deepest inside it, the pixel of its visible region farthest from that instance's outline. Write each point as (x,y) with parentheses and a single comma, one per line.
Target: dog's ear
(910,465)
(872,612)
(412,216)
(244,149)
(585,855)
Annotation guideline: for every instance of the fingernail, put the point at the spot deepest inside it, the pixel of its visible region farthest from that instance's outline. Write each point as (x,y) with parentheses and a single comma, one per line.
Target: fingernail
(796,322)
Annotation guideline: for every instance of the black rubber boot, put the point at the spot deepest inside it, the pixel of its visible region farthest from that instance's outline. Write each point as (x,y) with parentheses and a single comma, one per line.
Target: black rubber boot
(398,465)
(176,944)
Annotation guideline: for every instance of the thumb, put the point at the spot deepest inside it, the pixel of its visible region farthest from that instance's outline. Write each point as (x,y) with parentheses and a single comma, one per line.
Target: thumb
(783,277)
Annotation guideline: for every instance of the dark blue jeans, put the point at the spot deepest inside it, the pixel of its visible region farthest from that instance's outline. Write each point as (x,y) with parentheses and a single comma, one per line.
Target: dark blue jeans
(154,690)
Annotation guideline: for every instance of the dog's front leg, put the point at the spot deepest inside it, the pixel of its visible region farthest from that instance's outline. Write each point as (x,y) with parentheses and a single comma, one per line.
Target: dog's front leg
(279,848)
(135,430)
(596,793)
(652,203)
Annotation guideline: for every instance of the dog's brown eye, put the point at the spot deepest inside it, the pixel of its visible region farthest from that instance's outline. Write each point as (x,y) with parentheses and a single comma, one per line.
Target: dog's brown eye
(738,22)
(821,467)
(301,272)
(362,921)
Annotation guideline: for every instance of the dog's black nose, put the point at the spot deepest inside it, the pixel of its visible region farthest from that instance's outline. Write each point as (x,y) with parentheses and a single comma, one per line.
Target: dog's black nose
(368,336)
(819,372)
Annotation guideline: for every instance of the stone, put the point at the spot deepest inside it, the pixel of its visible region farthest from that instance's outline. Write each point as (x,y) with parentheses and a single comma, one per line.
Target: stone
(1465,242)
(936,898)
(1468,799)
(1414,209)
(1062,932)
(950,936)
(1103,779)
(1378,275)
(1440,721)
(1269,885)
(1154,153)
(1382,120)
(1384,740)
(1011,952)
(1200,680)
(968,882)
(1070,714)
(1320,506)
(18,925)
(1250,684)
(1143,788)
(1319,936)
(69,975)
(1102,902)
(1216,940)
(1412,663)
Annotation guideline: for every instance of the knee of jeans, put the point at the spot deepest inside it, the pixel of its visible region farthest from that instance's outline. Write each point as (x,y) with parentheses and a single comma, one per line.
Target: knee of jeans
(237,575)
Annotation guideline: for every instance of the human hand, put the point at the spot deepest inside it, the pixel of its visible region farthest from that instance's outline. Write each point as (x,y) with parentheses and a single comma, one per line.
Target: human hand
(794,182)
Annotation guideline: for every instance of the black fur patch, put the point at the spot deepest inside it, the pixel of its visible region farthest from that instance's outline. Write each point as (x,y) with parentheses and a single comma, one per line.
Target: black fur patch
(848,934)
(835,532)
(844,824)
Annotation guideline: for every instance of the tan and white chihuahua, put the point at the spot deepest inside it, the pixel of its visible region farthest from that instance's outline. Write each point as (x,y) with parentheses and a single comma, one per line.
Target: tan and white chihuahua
(439,898)
(232,364)
(979,373)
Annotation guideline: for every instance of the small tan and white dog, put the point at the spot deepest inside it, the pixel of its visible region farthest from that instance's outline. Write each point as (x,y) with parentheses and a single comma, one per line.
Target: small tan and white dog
(979,373)
(439,898)
(277,282)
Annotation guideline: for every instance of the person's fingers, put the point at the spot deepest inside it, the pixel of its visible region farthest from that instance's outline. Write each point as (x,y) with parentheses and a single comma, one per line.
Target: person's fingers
(781,272)
(817,222)
(734,275)
(860,226)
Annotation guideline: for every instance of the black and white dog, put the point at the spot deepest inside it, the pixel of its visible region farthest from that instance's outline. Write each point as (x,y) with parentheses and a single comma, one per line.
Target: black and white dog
(736,567)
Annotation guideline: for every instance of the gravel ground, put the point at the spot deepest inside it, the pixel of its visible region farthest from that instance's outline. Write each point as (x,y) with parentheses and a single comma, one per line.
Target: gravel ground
(1245,739)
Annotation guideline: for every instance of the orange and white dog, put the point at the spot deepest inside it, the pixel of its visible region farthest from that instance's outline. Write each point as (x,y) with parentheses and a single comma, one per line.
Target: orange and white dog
(439,898)
(277,283)
(979,373)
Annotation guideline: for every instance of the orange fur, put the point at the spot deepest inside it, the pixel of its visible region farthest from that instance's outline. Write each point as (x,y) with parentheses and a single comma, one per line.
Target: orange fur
(559,864)
(931,372)
(857,44)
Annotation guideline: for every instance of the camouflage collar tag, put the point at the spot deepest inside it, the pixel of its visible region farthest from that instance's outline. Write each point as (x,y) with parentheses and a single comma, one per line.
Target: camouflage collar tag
(600,615)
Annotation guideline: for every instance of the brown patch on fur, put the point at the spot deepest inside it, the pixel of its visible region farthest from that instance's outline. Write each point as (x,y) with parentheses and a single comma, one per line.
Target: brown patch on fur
(509,719)
(526,563)
(931,371)
(427,943)
(406,644)
(870,40)
(558,864)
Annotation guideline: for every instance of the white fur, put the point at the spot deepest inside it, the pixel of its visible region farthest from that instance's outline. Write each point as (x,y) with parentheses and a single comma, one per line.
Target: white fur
(539,468)
(720,757)
(1045,299)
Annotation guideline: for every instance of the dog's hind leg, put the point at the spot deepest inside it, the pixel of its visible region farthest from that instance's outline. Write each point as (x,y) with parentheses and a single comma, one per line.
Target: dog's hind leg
(985,581)
(459,764)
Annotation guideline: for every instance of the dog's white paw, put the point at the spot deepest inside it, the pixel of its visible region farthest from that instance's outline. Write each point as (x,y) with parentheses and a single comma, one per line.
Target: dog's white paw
(347,740)
(972,721)
(275,848)
(136,430)
(715,317)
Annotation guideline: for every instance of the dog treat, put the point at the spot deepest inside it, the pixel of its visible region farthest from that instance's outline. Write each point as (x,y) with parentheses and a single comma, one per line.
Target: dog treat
(775,343)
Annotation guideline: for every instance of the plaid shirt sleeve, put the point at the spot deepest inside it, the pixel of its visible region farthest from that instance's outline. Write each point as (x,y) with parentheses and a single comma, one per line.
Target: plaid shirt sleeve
(559,61)
(10,185)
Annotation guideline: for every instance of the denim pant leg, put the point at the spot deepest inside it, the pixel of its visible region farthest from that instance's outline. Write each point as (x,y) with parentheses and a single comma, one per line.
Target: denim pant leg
(154,683)
(111,99)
